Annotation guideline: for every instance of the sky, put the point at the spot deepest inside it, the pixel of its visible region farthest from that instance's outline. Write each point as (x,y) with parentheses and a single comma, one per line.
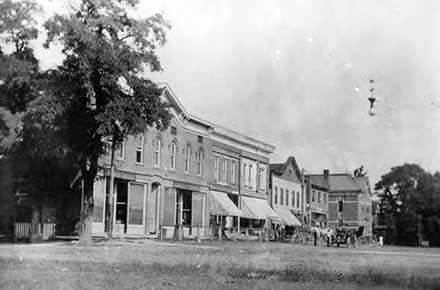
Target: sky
(295,74)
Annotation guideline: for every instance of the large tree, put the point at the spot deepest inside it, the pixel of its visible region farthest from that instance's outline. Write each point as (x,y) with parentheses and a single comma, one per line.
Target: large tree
(410,198)
(102,92)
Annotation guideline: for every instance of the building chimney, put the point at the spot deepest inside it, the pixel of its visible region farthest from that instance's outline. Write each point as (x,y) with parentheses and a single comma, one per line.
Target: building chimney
(325,174)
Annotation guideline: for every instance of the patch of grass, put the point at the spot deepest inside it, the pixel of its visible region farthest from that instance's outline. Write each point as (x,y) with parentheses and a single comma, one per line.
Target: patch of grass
(362,276)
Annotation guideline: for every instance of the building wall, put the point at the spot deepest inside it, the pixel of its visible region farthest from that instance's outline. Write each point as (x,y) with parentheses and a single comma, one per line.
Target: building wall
(291,194)
(317,204)
(184,139)
(356,210)
(161,181)
(251,182)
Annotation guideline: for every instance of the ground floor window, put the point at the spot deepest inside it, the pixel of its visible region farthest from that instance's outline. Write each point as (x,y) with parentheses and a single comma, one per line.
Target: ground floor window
(186,208)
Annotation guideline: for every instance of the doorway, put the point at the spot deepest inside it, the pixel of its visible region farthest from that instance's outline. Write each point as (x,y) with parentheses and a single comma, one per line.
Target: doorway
(121,187)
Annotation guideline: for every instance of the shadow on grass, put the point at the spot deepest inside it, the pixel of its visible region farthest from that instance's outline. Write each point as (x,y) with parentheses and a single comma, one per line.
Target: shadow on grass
(362,276)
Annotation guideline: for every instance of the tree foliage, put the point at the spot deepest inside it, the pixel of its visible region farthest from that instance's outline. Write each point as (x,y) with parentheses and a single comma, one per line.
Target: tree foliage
(406,193)
(359,172)
(97,95)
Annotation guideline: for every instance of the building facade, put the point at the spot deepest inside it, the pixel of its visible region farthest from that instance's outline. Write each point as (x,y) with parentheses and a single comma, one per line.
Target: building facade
(181,178)
(286,184)
(317,199)
(350,202)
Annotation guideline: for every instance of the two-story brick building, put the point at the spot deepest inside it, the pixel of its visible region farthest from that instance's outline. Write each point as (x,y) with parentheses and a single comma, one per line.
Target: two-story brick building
(317,199)
(286,184)
(350,202)
(182,177)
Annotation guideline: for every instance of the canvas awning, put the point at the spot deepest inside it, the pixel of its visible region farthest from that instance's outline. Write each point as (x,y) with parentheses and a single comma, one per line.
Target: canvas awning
(257,208)
(287,217)
(222,205)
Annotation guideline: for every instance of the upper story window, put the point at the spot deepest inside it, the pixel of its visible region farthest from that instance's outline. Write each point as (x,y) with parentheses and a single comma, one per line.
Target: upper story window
(324,198)
(249,174)
(120,151)
(245,174)
(187,158)
(319,197)
(225,170)
(173,130)
(173,155)
(276,195)
(297,199)
(262,177)
(157,148)
(313,196)
(140,149)
(233,171)
(293,198)
(281,196)
(200,160)
(217,167)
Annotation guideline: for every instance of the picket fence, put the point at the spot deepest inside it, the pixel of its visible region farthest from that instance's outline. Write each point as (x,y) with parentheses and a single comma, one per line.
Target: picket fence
(25,230)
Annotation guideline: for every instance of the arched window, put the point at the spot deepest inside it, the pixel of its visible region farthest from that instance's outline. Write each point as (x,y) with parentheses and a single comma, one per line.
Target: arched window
(173,155)
(157,147)
(200,160)
(140,149)
(187,158)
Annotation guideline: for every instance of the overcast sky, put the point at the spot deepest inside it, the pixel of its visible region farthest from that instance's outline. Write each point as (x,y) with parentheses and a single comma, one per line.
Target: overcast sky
(295,74)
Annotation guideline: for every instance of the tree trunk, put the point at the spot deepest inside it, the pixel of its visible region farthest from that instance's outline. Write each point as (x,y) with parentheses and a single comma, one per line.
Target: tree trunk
(86,220)
(110,194)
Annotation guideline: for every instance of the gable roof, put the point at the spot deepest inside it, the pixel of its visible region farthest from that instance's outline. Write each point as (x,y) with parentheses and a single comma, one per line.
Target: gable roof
(280,168)
(214,129)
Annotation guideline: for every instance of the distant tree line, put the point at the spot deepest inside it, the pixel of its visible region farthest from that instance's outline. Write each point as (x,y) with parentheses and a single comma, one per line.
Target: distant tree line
(410,205)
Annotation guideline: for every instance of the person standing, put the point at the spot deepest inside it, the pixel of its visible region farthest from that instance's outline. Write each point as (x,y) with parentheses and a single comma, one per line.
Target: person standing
(380,241)
(315,237)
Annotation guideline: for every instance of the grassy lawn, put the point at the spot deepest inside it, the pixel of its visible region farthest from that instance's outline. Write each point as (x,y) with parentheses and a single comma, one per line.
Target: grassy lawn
(214,265)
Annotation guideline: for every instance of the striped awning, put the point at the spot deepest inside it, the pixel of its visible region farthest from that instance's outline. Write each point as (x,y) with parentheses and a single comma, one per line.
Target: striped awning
(222,205)
(257,208)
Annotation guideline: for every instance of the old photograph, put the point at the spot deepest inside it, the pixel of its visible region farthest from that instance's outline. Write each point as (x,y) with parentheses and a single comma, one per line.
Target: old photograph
(221,144)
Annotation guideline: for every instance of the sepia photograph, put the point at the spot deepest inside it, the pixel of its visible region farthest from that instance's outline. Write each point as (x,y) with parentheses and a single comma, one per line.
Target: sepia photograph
(221,144)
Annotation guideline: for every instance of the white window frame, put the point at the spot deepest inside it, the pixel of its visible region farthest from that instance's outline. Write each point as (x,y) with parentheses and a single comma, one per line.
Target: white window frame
(217,167)
(187,159)
(262,177)
(139,149)
(157,152)
(173,155)
(225,169)
(250,183)
(200,160)
(233,171)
